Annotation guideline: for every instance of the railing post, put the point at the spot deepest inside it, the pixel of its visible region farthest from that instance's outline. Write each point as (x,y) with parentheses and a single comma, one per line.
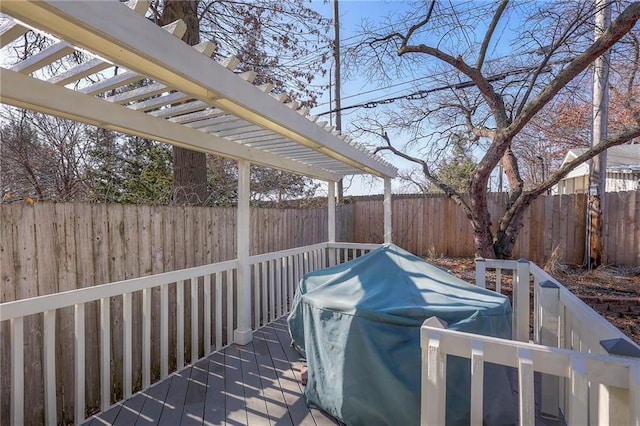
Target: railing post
(616,405)
(521,301)
(548,332)
(481,272)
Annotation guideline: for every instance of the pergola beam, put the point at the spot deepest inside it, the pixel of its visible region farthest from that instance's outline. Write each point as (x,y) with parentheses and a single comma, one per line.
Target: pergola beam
(26,92)
(140,46)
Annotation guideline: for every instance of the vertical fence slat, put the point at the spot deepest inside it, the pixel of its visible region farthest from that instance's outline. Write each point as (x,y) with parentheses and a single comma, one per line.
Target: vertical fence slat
(79,362)
(17,371)
(277,264)
(127,331)
(146,337)
(207,314)
(105,353)
(164,331)
(180,324)
(194,320)
(49,355)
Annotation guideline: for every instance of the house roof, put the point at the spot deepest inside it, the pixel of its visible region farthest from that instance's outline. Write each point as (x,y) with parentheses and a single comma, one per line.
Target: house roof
(618,157)
(189,100)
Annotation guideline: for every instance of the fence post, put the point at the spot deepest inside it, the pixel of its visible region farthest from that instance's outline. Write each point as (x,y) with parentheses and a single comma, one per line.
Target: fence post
(481,272)
(521,301)
(548,313)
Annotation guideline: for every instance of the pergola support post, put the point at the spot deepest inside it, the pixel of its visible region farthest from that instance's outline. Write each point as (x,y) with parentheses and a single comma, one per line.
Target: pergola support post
(331,221)
(387,210)
(243,335)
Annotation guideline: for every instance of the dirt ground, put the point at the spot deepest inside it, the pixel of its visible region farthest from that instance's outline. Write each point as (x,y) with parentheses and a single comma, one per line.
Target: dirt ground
(614,292)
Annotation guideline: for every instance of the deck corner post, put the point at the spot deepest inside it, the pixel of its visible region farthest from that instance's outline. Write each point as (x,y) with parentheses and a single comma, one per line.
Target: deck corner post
(387,211)
(481,272)
(547,333)
(243,334)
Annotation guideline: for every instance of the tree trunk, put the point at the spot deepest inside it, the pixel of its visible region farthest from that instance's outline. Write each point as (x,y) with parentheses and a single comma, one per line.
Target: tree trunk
(189,167)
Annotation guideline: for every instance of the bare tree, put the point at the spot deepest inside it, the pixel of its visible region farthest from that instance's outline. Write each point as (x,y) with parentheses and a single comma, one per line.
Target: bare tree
(489,99)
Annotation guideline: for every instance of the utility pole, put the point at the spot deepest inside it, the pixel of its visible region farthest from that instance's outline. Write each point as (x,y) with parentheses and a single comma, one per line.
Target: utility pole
(594,253)
(336,58)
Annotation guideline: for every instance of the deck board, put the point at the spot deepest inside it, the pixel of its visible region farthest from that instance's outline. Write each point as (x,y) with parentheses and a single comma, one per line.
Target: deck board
(257,384)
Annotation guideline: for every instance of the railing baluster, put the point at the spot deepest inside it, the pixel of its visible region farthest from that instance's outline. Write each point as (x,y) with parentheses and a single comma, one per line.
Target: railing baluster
(207,314)
(578,409)
(194,320)
(146,337)
(272,290)
(164,331)
(277,264)
(49,355)
(17,371)
(634,394)
(105,353)
(126,343)
(525,387)
(498,280)
(218,310)
(79,364)
(477,382)
(230,293)
(291,283)
(265,298)
(179,325)
(256,299)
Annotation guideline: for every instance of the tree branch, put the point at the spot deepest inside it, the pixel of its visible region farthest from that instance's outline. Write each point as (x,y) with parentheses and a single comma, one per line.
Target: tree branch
(489,33)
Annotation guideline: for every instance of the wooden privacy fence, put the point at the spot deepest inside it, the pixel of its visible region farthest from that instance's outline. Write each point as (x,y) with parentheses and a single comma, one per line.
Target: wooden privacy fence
(554,225)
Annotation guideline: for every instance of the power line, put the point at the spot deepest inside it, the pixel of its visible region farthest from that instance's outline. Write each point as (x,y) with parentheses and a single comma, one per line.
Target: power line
(421,94)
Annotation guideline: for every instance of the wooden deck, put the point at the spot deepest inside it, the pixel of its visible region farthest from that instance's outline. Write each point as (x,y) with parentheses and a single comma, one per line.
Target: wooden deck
(257,384)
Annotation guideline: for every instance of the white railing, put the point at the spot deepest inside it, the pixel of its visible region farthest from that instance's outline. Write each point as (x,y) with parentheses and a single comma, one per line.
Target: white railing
(590,371)
(208,288)
(583,373)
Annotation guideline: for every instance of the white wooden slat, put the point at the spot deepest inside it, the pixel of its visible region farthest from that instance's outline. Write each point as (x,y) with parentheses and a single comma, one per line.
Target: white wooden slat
(160,101)
(188,112)
(525,388)
(80,71)
(477,382)
(634,395)
(521,300)
(127,349)
(256,296)
(17,371)
(79,376)
(433,382)
(137,94)
(180,325)
(291,282)
(9,31)
(43,58)
(207,314)
(146,337)
(164,331)
(218,310)
(230,310)
(105,353)
(266,87)
(272,287)
(49,373)
(249,76)
(265,296)
(277,264)
(108,84)
(194,320)
(139,6)
(499,280)
(578,396)
(230,62)
(548,334)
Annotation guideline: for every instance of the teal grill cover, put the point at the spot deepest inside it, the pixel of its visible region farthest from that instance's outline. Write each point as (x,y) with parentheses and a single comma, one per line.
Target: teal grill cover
(358,326)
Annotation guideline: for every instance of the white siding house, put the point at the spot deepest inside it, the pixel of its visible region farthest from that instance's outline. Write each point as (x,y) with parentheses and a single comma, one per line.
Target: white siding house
(623,171)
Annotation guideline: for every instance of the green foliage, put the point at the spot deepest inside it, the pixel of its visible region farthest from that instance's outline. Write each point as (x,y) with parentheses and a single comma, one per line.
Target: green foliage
(133,171)
(457,170)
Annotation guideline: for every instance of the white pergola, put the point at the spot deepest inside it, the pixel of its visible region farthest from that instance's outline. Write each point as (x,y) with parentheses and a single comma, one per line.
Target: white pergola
(189,101)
